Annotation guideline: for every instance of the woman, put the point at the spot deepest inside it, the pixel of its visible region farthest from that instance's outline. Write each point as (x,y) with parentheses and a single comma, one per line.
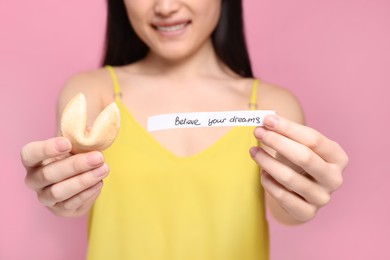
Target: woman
(197,193)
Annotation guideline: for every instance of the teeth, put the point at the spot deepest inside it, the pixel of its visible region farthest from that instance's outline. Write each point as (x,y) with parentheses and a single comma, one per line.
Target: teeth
(171,28)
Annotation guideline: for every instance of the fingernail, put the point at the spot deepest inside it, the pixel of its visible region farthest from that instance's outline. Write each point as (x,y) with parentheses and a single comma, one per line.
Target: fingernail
(260,132)
(253,151)
(97,186)
(62,145)
(101,171)
(271,121)
(95,158)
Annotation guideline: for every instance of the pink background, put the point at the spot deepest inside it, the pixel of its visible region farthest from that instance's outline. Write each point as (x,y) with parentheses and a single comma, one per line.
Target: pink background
(334,55)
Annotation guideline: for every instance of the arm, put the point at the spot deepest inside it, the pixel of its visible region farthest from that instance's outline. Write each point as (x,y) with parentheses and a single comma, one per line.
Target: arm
(300,166)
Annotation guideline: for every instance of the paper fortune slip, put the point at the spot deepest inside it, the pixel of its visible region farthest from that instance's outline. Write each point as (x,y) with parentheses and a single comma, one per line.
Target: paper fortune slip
(207,119)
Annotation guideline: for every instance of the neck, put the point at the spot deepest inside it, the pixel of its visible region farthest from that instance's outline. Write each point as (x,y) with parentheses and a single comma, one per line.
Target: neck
(203,62)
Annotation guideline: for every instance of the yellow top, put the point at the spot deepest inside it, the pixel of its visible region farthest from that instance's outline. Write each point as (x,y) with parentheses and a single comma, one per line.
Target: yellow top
(157,206)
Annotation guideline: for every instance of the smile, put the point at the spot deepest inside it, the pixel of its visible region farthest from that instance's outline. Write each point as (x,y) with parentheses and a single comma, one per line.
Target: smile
(171,28)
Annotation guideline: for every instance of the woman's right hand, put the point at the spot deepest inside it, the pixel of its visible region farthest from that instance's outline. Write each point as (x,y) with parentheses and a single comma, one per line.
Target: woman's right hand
(66,184)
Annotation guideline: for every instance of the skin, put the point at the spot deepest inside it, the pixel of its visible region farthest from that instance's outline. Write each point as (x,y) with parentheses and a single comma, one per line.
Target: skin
(300,167)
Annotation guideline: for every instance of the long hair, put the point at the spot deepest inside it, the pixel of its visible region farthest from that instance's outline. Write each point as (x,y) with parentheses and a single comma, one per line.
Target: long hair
(123,46)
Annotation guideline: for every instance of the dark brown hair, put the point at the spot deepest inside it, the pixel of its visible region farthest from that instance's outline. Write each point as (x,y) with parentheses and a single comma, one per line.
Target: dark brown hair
(123,46)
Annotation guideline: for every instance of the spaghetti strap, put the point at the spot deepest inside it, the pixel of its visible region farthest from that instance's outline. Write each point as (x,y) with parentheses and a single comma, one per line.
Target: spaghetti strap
(253,97)
(115,83)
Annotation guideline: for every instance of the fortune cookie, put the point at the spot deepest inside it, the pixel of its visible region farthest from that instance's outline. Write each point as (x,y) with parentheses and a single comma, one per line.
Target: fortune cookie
(84,139)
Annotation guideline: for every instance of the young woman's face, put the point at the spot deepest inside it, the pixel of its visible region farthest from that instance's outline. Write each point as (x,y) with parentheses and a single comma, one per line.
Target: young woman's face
(173,29)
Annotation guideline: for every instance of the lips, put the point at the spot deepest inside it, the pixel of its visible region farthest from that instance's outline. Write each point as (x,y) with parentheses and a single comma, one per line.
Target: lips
(170,26)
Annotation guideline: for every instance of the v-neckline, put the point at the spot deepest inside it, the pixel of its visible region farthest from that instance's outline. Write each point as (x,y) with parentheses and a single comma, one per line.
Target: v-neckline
(152,140)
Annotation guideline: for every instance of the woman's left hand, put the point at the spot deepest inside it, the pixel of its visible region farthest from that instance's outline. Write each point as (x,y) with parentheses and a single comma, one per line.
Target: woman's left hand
(302,169)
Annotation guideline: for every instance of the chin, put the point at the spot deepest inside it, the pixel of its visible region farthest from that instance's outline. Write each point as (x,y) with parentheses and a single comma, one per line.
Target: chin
(175,54)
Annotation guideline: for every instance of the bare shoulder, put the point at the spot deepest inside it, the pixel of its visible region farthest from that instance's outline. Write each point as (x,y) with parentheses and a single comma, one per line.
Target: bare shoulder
(283,101)
(96,85)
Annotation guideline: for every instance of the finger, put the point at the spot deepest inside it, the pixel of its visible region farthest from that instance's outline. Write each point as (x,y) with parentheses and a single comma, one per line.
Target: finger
(58,171)
(34,153)
(327,149)
(80,204)
(292,180)
(290,202)
(301,156)
(66,189)
(82,199)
